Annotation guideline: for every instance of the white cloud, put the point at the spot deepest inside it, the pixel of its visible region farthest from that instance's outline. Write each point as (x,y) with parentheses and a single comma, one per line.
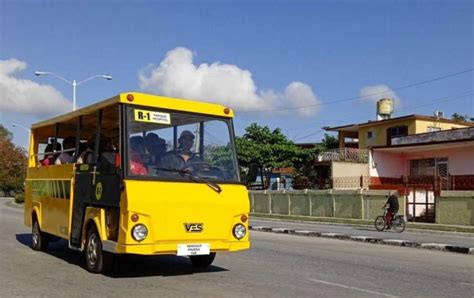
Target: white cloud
(28,97)
(178,76)
(375,92)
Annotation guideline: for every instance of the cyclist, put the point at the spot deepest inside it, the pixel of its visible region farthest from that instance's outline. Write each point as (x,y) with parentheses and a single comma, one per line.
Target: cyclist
(392,203)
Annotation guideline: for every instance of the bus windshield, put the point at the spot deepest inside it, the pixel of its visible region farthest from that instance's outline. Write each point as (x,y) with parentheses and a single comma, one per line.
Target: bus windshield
(171,145)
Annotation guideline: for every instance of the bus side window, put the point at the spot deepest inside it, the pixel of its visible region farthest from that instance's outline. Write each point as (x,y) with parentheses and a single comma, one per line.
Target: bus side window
(49,155)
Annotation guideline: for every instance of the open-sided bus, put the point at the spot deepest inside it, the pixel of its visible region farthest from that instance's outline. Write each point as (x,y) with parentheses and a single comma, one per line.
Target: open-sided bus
(144,175)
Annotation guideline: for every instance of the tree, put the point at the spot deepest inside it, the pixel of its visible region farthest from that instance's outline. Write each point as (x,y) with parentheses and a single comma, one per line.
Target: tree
(305,175)
(5,134)
(329,142)
(13,161)
(459,117)
(268,150)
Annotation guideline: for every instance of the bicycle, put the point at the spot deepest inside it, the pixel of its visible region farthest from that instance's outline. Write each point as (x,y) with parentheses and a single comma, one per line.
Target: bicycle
(398,222)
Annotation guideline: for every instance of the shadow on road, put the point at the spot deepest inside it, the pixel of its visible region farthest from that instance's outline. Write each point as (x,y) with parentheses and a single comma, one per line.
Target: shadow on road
(366,229)
(374,230)
(126,266)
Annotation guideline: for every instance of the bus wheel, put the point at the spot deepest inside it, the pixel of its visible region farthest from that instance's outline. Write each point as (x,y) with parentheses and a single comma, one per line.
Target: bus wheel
(202,261)
(39,240)
(97,261)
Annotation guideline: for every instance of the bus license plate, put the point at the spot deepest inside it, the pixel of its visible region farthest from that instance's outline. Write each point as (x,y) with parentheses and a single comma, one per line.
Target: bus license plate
(193,249)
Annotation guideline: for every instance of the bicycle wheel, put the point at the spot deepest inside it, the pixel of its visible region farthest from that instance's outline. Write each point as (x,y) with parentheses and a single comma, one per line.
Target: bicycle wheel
(380,223)
(399,224)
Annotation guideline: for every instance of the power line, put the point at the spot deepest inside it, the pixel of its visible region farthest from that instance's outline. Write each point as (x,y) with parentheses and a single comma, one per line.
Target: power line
(359,97)
(311,134)
(442,99)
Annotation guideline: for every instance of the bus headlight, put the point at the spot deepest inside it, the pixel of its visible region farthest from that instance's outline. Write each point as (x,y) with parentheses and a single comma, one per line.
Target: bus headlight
(139,232)
(239,231)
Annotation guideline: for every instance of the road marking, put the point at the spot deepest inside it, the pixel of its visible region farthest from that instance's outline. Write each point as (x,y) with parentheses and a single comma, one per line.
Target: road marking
(467,284)
(349,287)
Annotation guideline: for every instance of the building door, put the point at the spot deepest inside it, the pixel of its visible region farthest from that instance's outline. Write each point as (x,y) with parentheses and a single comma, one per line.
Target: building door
(421,205)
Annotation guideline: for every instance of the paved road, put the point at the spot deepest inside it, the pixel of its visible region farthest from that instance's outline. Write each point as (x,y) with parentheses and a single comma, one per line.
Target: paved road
(459,239)
(277,265)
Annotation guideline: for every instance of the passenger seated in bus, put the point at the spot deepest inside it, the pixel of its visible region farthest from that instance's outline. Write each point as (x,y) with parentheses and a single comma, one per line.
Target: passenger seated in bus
(156,148)
(49,156)
(87,155)
(109,159)
(183,158)
(137,148)
(66,157)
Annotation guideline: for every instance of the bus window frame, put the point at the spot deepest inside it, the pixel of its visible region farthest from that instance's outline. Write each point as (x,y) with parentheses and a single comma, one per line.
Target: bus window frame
(78,138)
(125,143)
(95,155)
(55,141)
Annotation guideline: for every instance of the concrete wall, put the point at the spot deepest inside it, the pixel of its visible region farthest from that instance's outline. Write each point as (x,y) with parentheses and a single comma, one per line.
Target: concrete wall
(349,169)
(355,204)
(455,208)
(466,133)
(423,125)
(452,207)
(460,160)
(385,164)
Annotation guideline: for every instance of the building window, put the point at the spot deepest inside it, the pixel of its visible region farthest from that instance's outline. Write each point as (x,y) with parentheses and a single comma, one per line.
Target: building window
(433,128)
(429,167)
(422,167)
(395,132)
(370,135)
(398,131)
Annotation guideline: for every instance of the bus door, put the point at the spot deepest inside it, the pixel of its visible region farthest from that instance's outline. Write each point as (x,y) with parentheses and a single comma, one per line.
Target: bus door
(95,189)
(82,198)
(96,184)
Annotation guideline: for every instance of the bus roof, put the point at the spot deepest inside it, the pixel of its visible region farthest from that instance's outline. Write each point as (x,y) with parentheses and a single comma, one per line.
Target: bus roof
(145,100)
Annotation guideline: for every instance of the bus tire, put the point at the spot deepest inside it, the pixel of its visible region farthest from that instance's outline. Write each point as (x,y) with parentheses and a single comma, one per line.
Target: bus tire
(97,260)
(39,239)
(202,261)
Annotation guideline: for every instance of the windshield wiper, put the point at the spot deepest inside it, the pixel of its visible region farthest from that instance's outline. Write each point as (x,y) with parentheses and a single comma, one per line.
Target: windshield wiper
(187,173)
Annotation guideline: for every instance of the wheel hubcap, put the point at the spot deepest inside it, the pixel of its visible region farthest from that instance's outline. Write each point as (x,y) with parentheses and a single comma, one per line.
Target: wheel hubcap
(92,249)
(35,235)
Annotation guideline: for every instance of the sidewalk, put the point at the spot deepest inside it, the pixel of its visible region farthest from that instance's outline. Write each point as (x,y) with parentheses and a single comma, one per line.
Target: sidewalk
(441,240)
(363,222)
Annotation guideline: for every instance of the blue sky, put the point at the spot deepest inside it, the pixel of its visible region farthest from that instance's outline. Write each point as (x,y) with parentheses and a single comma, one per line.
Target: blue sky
(333,49)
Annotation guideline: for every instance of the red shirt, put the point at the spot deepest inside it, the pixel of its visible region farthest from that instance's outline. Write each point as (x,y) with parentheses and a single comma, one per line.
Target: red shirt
(47,161)
(136,165)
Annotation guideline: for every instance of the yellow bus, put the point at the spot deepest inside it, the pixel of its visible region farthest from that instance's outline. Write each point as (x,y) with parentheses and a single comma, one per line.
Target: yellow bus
(137,174)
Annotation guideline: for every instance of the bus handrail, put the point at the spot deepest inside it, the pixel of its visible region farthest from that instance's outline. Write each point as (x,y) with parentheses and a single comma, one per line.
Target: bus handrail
(54,152)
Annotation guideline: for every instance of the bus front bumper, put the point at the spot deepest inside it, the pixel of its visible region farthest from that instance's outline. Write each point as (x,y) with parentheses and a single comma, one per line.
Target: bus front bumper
(168,248)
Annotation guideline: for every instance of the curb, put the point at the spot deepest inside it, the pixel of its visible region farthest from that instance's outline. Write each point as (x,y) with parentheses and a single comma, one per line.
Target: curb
(425,229)
(366,239)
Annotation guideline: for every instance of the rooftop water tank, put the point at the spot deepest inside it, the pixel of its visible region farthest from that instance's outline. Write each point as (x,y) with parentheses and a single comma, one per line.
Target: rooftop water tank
(384,108)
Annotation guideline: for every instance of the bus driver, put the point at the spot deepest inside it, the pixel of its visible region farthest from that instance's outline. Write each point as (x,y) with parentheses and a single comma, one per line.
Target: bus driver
(183,158)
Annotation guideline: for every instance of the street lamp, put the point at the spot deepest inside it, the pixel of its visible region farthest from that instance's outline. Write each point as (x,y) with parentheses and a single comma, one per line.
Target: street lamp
(73,82)
(25,128)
